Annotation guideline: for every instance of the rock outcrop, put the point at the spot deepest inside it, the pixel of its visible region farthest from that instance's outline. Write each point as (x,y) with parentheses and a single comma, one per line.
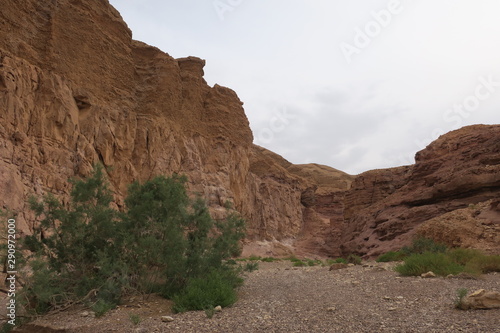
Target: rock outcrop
(76,89)
(481,300)
(459,169)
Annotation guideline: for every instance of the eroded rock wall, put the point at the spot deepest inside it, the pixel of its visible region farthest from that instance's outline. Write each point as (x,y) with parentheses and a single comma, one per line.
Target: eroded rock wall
(459,169)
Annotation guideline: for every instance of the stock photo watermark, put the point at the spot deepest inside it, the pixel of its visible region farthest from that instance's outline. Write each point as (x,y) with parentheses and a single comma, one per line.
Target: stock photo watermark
(11,272)
(363,37)
(223,6)
(277,124)
(456,115)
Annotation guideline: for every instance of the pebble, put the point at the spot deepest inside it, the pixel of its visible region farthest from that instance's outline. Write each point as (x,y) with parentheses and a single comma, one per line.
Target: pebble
(167,319)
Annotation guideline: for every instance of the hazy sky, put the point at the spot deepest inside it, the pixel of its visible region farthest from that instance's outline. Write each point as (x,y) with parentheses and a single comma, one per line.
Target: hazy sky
(356,85)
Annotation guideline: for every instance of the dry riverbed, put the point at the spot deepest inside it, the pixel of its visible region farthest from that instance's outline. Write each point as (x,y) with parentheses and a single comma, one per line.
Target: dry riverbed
(281,298)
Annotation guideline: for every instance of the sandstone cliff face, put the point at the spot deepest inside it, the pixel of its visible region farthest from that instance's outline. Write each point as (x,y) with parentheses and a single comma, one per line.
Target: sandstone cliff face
(75,89)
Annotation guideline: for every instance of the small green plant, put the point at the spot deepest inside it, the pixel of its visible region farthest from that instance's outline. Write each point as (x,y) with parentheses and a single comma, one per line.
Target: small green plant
(461,293)
(135,319)
(101,307)
(483,264)
(391,256)
(336,261)
(421,245)
(251,266)
(311,262)
(5,328)
(299,263)
(210,312)
(293,259)
(269,259)
(439,263)
(254,258)
(354,259)
(203,293)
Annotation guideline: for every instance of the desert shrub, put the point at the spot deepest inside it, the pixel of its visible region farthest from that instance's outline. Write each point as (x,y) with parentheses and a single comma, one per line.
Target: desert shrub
(354,259)
(461,293)
(90,253)
(312,262)
(293,259)
(101,307)
(391,256)
(75,252)
(269,259)
(135,319)
(251,266)
(483,264)
(206,293)
(463,256)
(439,263)
(340,261)
(299,263)
(421,245)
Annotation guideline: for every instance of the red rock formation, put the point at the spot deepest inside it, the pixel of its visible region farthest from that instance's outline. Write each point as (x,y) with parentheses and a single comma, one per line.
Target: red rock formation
(459,169)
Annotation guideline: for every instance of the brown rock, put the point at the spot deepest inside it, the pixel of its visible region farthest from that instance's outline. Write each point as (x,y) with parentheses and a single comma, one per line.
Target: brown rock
(338,266)
(459,169)
(481,299)
(428,275)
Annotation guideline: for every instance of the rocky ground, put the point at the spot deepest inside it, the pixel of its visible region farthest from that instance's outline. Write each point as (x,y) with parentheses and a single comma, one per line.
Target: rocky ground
(281,298)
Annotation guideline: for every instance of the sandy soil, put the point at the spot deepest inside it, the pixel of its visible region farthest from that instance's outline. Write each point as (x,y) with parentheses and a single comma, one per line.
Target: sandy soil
(281,298)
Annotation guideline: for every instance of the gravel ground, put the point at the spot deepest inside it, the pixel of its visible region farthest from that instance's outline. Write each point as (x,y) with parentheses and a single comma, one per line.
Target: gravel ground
(281,298)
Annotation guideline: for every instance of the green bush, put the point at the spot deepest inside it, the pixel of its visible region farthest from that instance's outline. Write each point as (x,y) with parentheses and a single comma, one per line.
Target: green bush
(101,307)
(438,263)
(461,293)
(269,259)
(483,264)
(87,252)
(135,319)
(421,245)
(336,261)
(293,259)
(299,263)
(251,266)
(353,259)
(453,261)
(75,253)
(391,256)
(463,256)
(206,293)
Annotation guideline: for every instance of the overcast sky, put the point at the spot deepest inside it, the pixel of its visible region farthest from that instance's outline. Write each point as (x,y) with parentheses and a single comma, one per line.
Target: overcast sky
(356,85)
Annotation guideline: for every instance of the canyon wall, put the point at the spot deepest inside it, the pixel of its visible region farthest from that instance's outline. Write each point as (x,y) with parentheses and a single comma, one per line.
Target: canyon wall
(76,89)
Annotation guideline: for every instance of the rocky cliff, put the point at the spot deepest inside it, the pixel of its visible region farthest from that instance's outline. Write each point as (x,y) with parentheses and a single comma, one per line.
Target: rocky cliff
(75,89)
(460,169)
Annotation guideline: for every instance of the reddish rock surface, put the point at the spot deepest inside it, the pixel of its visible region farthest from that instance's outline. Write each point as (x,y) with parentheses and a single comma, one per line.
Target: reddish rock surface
(459,169)
(75,89)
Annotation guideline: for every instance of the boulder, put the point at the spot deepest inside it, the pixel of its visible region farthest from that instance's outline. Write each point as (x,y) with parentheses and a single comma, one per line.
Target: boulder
(481,299)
